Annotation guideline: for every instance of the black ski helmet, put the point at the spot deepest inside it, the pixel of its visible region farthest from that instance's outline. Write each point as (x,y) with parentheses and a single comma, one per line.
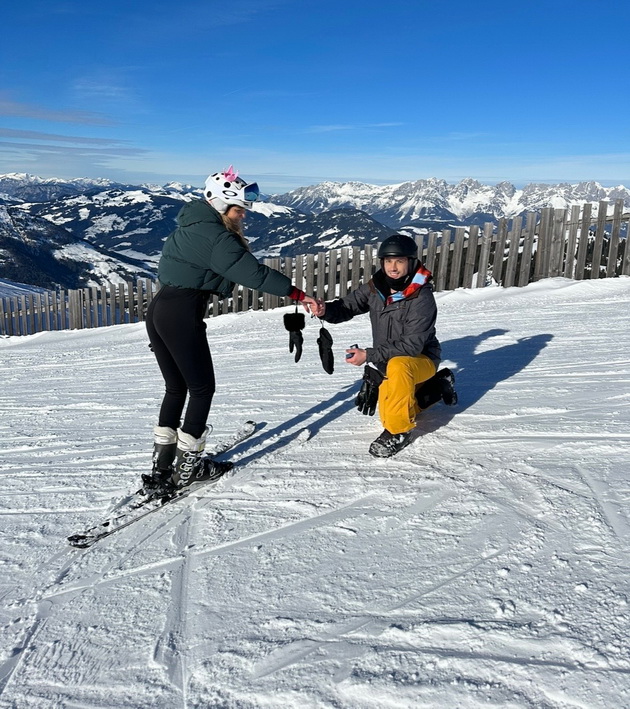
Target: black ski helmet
(398,245)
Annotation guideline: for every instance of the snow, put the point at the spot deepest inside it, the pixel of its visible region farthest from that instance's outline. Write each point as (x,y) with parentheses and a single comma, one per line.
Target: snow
(102,265)
(268,209)
(486,565)
(10,289)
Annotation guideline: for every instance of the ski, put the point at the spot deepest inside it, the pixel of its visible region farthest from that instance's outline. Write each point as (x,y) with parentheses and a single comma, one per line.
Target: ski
(231,441)
(137,506)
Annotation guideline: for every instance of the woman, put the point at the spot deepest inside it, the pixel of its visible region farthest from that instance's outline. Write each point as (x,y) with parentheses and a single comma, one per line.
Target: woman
(206,255)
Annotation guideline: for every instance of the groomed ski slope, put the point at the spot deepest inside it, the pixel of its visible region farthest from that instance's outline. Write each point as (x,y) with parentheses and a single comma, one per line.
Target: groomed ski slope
(486,565)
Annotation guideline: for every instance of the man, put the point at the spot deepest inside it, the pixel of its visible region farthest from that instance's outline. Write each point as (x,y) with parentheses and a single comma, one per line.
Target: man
(401,366)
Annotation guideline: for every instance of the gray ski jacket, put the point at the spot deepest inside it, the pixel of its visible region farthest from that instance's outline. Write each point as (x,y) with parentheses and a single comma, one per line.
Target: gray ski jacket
(403,328)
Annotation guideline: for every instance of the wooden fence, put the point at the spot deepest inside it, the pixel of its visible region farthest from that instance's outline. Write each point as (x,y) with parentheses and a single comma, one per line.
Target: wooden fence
(556,242)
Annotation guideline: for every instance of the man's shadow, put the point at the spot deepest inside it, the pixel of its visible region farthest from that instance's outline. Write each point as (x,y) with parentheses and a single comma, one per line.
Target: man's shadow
(477,373)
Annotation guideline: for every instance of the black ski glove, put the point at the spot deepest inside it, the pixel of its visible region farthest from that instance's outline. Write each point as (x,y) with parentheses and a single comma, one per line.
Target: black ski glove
(367,398)
(294,323)
(325,342)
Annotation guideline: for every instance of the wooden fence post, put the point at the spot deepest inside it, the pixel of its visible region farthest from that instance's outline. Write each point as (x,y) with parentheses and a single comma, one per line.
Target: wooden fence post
(321,274)
(456,261)
(541,268)
(556,252)
(10,304)
(39,313)
(499,251)
(140,296)
(309,276)
(23,318)
(8,316)
(355,277)
(431,251)
(344,270)
(3,318)
(471,256)
(369,258)
(613,247)
(299,272)
(598,246)
(120,290)
(625,258)
(569,263)
(331,288)
(512,260)
(585,227)
(484,256)
(443,259)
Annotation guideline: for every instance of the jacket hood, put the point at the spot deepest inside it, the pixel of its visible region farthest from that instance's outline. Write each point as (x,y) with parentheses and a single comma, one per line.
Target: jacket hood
(198,211)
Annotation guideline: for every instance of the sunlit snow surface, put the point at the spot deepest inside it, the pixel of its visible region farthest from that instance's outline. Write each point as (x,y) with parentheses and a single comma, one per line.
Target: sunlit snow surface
(485,565)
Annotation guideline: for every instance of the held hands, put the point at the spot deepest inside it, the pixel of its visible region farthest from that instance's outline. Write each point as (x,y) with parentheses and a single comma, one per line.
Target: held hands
(318,308)
(311,304)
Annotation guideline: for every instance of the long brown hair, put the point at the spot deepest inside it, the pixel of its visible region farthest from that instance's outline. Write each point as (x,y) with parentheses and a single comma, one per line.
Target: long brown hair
(235,226)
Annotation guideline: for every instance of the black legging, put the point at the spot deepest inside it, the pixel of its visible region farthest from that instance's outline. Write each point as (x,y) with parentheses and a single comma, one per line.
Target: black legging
(177,334)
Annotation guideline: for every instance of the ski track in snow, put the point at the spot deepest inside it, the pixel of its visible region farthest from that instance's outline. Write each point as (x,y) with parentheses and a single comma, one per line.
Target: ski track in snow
(486,565)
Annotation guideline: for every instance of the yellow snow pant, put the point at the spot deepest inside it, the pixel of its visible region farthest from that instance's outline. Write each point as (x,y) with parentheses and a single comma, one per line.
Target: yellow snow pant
(397,405)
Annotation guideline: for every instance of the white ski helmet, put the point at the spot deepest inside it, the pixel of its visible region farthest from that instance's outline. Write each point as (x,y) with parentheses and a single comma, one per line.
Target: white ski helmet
(226,189)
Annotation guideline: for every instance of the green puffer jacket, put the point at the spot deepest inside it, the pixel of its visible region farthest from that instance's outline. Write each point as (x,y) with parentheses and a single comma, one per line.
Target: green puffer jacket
(201,253)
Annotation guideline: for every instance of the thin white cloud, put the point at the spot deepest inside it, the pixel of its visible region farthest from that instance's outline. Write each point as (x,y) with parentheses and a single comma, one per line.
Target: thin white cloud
(464,136)
(101,89)
(351,126)
(15,134)
(33,149)
(15,109)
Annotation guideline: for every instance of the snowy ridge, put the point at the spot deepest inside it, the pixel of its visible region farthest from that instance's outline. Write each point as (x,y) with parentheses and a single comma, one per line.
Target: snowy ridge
(33,188)
(486,565)
(9,289)
(437,199)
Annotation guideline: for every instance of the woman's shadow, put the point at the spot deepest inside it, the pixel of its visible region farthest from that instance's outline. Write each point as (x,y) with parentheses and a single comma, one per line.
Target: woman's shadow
(477,373)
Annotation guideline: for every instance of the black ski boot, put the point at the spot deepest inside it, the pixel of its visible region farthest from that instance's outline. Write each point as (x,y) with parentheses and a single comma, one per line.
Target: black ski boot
(388,444)
(447,386)
(164,448)
(190,465)
(441,387)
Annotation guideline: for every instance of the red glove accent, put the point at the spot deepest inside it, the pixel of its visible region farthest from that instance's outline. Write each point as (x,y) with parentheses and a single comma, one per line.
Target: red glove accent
(297,294)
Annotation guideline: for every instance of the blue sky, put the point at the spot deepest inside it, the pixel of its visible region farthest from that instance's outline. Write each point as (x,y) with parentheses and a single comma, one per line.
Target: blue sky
(294,92)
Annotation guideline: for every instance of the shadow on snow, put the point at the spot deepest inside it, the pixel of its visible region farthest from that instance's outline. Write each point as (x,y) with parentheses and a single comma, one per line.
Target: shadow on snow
(477,373)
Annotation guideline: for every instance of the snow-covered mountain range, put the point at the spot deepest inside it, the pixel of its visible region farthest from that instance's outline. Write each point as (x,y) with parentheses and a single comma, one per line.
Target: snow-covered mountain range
(425,202)
(83,232)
